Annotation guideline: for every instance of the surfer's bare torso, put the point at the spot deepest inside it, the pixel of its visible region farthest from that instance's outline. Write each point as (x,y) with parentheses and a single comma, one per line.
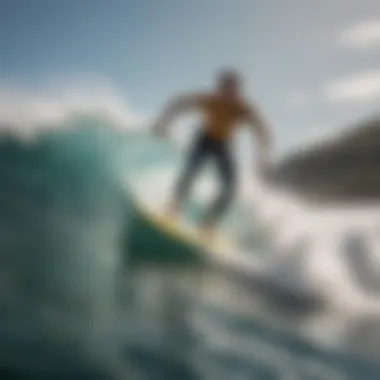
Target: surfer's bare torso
(222,111)
(221,115)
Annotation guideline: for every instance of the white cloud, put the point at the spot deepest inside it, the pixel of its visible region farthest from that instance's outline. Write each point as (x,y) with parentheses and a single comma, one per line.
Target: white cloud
(362,35)
(298,100)
(363,86)
(26,110)
(319,135)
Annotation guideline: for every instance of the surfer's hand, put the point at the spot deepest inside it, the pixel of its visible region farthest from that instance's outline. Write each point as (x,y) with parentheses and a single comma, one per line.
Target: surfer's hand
(160,131)
(265,174)
(264,169)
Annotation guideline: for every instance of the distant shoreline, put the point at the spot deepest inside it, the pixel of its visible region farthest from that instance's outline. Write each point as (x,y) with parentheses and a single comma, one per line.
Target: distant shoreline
(343,169)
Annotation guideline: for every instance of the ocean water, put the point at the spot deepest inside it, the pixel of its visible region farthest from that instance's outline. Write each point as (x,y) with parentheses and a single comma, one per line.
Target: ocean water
(72,308)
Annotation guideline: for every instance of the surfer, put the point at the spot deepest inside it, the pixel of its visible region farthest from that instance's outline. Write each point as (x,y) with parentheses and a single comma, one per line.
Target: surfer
(222,110)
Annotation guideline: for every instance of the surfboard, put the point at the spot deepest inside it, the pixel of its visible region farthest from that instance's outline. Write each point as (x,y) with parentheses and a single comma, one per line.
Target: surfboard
(178,229)
(157,238)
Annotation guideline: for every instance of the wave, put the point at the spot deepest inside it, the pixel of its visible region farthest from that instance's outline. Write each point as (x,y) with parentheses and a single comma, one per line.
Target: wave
(62,215)
(71,170)
(75,125)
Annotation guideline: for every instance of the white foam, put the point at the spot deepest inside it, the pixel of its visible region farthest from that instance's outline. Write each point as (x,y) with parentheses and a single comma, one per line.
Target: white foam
(26,112)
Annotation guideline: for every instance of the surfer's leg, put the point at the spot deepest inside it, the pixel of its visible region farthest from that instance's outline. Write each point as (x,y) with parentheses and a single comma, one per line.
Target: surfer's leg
(197,154)
(227,172)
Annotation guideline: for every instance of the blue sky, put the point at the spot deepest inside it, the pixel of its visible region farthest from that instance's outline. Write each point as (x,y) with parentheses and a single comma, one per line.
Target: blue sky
(312,65)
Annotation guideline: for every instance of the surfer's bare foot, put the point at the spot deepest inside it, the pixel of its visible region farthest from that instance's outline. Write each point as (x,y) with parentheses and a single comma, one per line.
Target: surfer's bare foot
(207,233)
(173,211)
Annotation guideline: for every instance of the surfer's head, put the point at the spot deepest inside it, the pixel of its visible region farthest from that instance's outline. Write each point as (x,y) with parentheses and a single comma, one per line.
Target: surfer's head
(229,82)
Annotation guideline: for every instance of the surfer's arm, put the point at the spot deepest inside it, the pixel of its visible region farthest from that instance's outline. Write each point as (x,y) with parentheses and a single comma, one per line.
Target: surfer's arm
(262,132)
(176,107)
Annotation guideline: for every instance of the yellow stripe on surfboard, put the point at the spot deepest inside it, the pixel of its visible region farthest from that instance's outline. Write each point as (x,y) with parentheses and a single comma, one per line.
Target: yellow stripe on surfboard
(172,227)
(188,235)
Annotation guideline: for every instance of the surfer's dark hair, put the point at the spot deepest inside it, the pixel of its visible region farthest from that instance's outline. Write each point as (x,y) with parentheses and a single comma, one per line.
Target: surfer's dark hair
(229,76)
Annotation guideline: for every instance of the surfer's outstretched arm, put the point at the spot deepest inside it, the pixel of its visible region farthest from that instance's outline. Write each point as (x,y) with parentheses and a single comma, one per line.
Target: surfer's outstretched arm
(177,106)
(262,132)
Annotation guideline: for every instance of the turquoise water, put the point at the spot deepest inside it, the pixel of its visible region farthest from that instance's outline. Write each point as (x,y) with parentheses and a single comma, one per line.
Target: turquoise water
(71,309)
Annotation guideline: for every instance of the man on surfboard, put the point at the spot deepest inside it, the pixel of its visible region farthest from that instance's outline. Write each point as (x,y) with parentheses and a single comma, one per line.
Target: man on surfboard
(222,110)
